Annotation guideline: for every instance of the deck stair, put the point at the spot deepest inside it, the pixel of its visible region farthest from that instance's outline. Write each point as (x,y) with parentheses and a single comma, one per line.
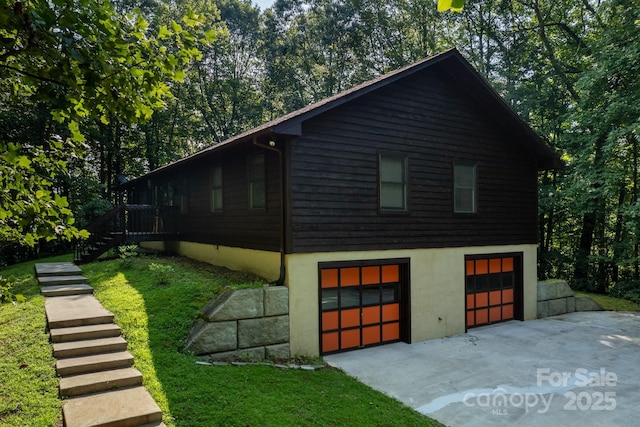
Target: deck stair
(126,224)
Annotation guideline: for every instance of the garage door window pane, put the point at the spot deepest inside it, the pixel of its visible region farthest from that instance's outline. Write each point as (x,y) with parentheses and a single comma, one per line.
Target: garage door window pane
(370,295)
(482,283)
(471,284)
(507,280)
(495,281)
(390,293)
(329,299)
(349,297)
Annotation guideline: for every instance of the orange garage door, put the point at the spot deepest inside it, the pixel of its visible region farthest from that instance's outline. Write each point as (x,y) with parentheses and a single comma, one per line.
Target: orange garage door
(360,305)
(492,289)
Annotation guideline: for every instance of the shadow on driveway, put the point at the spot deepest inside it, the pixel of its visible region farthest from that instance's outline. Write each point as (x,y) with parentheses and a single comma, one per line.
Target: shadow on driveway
(577,369)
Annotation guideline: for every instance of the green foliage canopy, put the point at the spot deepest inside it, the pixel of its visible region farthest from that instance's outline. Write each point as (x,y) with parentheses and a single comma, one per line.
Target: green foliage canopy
(83,59)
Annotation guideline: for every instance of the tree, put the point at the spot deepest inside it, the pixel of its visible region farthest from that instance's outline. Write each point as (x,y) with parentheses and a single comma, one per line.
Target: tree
(81,60)
(455,5)
(224,87)
(606,155)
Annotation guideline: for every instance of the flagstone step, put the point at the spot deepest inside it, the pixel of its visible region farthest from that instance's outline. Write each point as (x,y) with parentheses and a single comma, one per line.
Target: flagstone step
(89,332)
(75,310)
(61,280)
(88,347)
(64,290)
(123,408)
(99,381)
(93,363)
(57,269)
(97,377)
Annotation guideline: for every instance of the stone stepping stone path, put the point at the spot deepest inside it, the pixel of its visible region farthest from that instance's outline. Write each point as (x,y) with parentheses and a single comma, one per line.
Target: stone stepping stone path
(97,380)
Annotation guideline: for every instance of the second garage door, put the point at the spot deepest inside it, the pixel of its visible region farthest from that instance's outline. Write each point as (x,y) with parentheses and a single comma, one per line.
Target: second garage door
(493,289)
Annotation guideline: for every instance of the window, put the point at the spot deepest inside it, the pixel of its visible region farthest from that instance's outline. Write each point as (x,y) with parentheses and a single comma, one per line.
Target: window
(464,188)
(257,182)
(161,195)
(180,196)
(393,183)
(184,196)
(216,189)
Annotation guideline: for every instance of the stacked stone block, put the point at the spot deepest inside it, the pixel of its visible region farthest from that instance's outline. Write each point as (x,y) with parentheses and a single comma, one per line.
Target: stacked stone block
(555,297)
(251,324)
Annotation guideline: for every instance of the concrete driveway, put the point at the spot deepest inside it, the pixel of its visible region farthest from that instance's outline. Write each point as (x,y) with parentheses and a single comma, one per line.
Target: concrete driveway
(577,369)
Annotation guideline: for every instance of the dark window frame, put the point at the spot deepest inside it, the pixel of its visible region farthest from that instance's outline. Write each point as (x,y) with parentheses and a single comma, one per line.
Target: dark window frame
(184,195)
(254,178)
(215,188)
(405,183)
(456,188)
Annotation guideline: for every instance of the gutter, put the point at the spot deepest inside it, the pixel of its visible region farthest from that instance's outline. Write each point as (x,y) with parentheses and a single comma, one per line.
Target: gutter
(272,146)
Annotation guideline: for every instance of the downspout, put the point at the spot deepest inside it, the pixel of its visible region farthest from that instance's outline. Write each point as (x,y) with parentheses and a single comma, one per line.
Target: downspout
(283,224)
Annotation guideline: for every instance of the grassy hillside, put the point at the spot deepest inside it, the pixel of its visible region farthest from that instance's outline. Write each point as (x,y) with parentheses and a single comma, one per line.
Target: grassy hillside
(155,319)
(611,303)
(29,392)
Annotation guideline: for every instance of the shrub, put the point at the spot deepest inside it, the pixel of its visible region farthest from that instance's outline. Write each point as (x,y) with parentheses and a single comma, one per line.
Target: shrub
(629,290)
(127,253)
(162,272)
(5,292)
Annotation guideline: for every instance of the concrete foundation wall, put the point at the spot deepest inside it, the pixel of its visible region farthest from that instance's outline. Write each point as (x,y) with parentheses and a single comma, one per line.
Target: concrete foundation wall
(262,263)
(437,290)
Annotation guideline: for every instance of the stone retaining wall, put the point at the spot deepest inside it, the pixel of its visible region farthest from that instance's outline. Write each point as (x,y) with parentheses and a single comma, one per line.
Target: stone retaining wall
(555,297)
(244,324)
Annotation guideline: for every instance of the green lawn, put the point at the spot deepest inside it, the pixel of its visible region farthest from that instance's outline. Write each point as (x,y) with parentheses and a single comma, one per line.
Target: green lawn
(611,303)
(29,391)
(155,320)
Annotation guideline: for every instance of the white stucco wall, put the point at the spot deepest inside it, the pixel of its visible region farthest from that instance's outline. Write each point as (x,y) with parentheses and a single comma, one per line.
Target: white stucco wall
(437,290)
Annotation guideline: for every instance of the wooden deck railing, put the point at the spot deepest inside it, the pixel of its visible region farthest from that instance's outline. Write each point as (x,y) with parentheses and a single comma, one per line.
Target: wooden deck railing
(127,224)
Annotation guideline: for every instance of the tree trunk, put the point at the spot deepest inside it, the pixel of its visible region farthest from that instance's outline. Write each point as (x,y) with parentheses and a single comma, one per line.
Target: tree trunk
(545,227)
(617,238)
(589,221)
(634,201)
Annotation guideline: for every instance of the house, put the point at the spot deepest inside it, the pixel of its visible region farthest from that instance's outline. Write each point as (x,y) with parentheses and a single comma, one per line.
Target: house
(403,209)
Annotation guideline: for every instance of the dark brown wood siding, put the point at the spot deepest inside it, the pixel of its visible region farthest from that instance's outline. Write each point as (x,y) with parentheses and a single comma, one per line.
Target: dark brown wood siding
(236,225)
(334,173)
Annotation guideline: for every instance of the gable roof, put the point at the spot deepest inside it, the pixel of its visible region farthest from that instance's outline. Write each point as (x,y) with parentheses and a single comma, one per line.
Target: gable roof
(453,62)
